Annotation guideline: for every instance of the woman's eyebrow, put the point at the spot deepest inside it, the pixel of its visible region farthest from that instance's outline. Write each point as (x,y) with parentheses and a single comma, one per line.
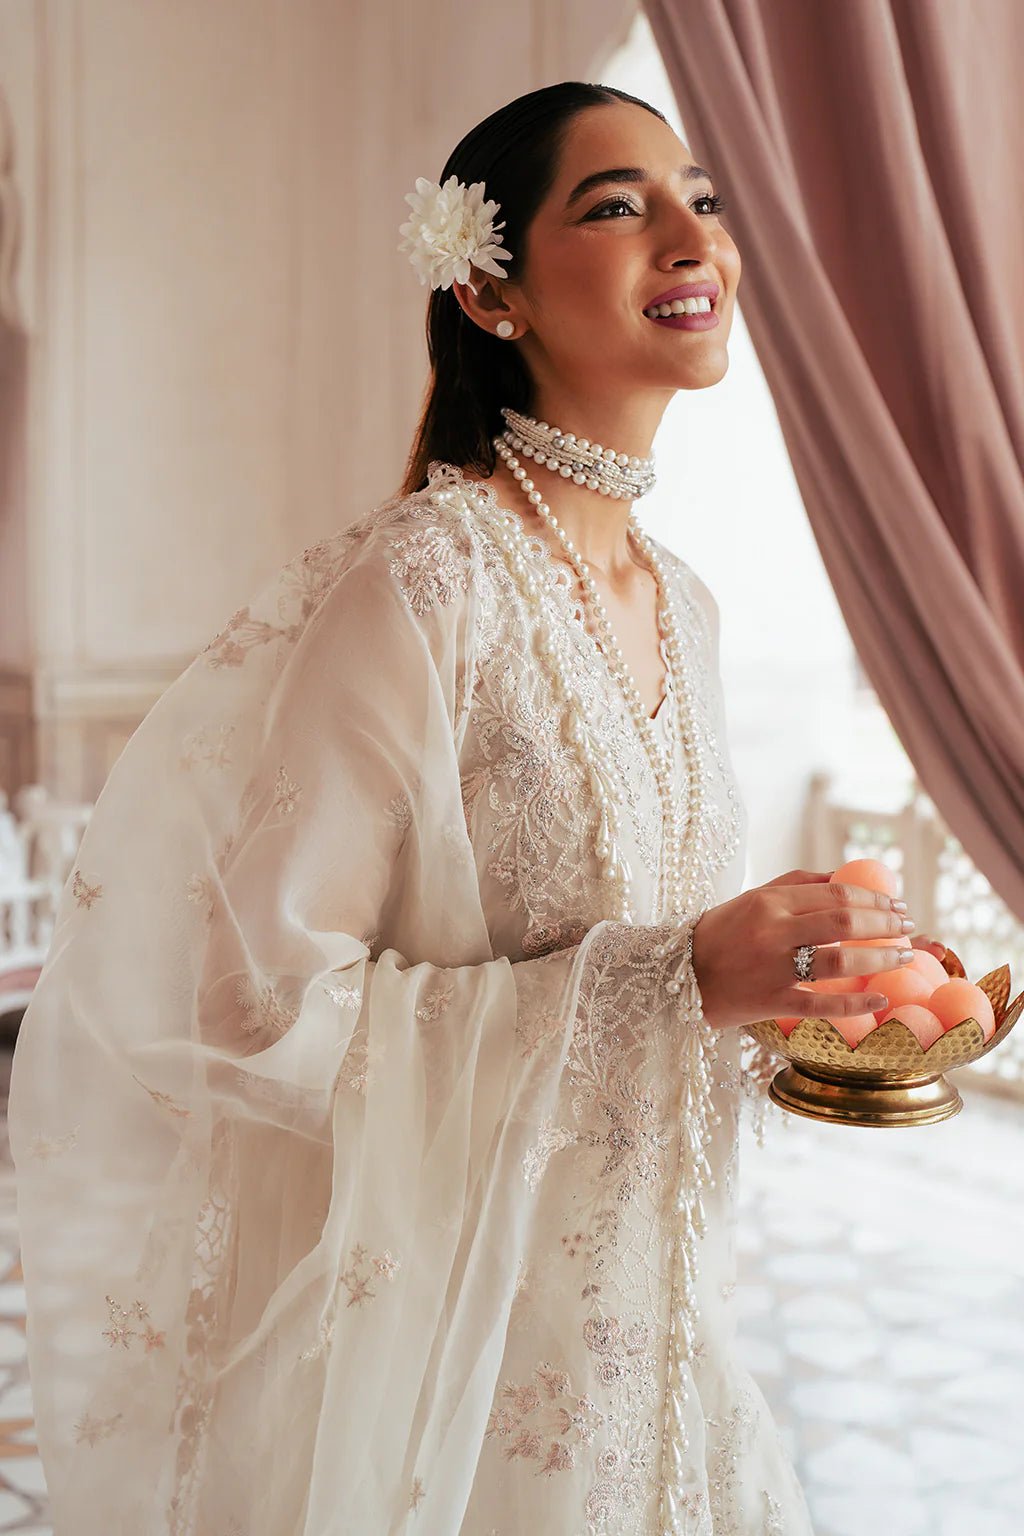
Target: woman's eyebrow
(632,173)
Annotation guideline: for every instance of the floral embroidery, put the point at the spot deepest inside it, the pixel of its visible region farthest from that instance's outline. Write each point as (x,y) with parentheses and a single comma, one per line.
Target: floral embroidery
(263,1009)
(200,891)
(48,1147)
(208,748)
(535,1028)
(165,1100)
(92,1430)
(536,774)
(619,1487)
(728,1445)
(774,1527)
(418,1493)
(357,1279)
(399,812)
(241,633)
(429,568)
(552,1138)
(615,1130)
(120,1333)
(355,1069)
(207,1307)
(547,1420)
(345,997)
(84,893)
(306,581)
(544,938)
(435,1003)
(358,1276)
(286,793)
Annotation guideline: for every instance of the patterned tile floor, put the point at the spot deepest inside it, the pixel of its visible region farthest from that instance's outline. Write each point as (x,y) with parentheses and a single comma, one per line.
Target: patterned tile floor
(881,1291)
(882,1313)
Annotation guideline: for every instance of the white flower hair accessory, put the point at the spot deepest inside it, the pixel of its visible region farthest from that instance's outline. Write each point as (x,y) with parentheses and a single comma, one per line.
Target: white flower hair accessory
(452,229)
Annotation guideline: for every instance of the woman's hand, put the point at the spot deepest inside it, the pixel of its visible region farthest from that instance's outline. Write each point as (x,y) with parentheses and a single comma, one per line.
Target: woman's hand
(743,949)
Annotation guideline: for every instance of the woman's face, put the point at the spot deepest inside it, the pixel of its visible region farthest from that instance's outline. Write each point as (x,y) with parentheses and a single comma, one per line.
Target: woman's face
(596,258)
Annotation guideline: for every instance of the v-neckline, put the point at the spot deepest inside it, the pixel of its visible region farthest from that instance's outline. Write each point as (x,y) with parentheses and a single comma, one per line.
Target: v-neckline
(555,568)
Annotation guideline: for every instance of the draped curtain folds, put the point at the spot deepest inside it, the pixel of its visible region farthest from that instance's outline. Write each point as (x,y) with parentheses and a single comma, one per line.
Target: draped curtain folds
(871,153)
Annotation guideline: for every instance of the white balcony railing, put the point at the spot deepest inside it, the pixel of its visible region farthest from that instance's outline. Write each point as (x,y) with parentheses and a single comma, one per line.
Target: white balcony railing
(38,844)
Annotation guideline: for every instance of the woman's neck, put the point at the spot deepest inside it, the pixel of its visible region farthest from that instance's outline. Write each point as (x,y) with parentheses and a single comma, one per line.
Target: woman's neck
(596,524)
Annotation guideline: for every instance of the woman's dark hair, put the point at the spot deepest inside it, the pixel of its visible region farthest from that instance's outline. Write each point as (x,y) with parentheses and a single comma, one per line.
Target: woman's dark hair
(515,153)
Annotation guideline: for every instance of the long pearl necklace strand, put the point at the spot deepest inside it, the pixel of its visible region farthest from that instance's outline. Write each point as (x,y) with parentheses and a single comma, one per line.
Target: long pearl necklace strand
(679,872)
(698,1048)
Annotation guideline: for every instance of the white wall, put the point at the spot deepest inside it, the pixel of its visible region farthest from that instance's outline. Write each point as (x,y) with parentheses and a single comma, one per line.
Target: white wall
(226,351)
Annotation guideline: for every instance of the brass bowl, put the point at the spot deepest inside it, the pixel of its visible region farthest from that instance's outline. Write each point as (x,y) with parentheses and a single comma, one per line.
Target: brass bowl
(889,1078)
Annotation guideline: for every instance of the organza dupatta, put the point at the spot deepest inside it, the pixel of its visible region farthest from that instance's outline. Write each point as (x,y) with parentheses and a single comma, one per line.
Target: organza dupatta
(275,1104)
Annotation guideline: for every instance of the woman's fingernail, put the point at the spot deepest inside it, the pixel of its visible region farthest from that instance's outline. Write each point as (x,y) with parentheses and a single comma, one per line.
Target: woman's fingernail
(898,905)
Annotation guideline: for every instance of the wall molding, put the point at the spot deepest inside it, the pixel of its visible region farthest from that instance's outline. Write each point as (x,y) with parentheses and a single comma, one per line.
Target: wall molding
(84,717)
(17,729)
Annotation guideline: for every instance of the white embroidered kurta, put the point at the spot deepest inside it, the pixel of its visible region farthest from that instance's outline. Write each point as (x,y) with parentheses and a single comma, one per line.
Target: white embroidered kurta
(575,1435)
(346,1120)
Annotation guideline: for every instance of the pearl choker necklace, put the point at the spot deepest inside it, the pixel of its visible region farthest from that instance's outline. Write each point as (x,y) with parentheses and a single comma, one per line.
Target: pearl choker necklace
(622,476)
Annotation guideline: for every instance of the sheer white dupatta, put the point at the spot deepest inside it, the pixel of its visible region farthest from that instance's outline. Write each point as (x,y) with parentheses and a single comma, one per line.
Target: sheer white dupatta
(275,1101)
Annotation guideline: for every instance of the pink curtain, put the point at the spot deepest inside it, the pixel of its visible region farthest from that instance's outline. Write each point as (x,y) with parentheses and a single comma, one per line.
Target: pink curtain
(872,155)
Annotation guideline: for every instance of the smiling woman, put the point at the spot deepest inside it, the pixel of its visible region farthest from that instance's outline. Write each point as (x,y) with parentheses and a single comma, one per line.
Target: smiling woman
(376,1113)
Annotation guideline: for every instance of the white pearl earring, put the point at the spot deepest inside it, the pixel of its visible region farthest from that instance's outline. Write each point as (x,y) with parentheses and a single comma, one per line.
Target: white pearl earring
(505,329)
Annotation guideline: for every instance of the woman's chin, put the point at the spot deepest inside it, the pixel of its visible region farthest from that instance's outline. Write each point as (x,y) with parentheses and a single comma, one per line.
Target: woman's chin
(703,370)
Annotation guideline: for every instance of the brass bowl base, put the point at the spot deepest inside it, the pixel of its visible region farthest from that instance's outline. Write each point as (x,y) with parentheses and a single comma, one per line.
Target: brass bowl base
(822,1097)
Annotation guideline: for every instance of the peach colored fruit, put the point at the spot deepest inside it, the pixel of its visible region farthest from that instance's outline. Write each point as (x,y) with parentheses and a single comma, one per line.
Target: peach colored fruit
(903,986)
(855,1026)
(872,874)
(920,1021)
(933,971)
(959,999)
(787,1024)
